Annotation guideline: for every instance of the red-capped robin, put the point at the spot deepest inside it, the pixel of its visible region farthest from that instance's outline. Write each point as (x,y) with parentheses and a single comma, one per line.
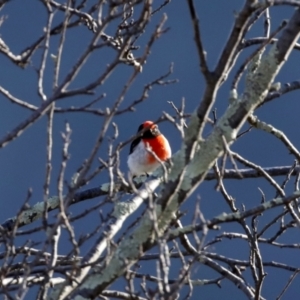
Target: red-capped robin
(140,159)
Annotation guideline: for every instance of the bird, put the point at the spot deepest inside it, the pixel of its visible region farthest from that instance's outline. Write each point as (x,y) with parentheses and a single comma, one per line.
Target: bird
(149,139)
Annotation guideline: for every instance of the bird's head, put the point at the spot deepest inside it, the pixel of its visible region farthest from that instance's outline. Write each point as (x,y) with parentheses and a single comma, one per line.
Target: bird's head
(149,130)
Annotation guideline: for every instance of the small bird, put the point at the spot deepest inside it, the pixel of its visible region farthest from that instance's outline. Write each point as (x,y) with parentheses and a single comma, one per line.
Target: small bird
(140,159)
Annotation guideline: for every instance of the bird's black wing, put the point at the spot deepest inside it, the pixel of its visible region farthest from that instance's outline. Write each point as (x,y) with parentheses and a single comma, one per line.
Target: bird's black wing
(134,143)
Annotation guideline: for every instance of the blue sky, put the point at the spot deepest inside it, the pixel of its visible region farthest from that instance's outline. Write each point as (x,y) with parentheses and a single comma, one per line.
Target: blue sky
(22,162)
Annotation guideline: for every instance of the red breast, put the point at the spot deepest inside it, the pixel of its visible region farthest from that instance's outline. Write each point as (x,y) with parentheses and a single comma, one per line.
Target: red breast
(160,146)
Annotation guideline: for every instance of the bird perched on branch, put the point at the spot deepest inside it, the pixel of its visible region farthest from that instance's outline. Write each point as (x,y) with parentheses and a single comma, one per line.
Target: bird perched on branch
(148,150)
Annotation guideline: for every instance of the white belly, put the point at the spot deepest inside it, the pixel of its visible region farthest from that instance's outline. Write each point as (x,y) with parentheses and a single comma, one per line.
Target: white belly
(137,161)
